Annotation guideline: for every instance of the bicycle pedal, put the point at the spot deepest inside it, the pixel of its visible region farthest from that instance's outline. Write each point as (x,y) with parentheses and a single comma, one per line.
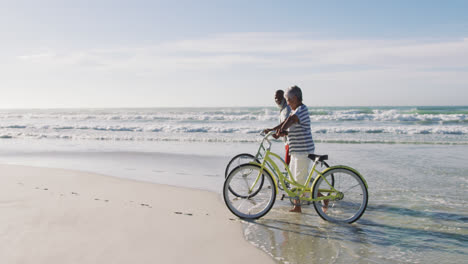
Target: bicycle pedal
(282,197)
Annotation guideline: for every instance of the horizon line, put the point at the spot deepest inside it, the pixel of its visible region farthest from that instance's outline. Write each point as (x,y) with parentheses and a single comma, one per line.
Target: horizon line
(194,107)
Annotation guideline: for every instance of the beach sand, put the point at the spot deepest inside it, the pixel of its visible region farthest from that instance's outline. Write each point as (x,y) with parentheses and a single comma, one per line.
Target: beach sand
(63,216)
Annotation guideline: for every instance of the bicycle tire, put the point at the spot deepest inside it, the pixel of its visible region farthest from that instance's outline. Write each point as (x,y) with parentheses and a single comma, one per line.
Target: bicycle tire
(353,203)
(237,160)
(234,163)
(249,206)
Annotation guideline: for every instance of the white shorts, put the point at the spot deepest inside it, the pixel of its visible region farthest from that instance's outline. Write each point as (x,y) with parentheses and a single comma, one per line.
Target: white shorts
(299,166)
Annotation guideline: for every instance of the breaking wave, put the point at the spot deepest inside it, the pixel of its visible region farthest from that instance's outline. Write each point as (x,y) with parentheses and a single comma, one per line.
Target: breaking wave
(329,124)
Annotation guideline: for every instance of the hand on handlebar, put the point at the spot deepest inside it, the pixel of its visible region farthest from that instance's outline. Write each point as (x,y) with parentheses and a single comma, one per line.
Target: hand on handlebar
(280,133)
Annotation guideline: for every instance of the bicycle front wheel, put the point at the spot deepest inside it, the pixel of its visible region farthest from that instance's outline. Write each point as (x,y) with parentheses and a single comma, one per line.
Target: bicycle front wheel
(351,196)
(243,194)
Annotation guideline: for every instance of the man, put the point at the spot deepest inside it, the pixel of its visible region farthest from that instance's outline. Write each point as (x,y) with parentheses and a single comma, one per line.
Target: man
(285,110)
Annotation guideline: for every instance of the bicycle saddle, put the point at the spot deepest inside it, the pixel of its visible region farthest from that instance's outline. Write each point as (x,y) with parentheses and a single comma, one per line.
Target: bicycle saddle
(320,157)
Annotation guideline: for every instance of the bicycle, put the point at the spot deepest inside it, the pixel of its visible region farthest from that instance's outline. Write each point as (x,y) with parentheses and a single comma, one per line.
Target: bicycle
(247,157)
(338,193)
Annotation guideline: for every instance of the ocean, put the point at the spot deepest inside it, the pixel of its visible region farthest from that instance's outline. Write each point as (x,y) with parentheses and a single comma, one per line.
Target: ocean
(415,161)
(406,125)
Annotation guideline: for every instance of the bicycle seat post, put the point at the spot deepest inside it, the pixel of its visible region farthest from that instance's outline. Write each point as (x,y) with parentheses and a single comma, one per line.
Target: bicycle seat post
(316,160)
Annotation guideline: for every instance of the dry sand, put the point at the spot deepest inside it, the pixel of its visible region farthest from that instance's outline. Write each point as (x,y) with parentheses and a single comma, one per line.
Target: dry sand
(60,216)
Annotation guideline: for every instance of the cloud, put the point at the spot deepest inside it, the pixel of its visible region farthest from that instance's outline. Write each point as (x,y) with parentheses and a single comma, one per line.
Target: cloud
(361,71)
(39,56)
(267,50)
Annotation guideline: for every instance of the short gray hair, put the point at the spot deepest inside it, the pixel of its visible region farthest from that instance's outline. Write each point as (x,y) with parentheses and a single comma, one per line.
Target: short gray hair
(294,91)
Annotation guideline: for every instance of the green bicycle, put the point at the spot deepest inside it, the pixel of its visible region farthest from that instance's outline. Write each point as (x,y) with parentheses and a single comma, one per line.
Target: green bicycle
(258,157)
(338,193)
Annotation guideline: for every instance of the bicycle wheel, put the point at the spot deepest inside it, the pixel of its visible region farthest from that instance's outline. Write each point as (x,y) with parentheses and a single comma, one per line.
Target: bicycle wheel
(238,160)
(249,204)
(352,196)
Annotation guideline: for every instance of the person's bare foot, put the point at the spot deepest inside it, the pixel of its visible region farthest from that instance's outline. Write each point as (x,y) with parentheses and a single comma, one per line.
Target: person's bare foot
(325,203)
(296,209)
(325,206)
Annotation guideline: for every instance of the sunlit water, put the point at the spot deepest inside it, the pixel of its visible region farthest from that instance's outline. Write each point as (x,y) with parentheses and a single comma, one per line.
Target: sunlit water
(416,214)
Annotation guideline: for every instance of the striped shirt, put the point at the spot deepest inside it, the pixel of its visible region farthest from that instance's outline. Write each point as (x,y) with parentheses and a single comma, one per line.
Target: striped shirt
(299,134)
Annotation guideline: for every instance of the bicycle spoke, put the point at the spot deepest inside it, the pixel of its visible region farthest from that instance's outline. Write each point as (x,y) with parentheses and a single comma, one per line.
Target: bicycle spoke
(352,187)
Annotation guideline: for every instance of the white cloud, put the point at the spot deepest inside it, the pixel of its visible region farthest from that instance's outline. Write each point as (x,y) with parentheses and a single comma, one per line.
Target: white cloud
(363,71)
(269,50)
(39,56)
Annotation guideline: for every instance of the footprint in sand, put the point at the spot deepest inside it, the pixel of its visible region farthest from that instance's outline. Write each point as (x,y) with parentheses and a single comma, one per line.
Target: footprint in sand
(179,213)
(97,199)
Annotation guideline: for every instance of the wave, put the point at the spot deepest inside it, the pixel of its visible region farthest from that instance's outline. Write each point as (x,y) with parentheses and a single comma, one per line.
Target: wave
(409,130)
(420,115)
(225,129)
(384,125)
(446,110)
(254,139)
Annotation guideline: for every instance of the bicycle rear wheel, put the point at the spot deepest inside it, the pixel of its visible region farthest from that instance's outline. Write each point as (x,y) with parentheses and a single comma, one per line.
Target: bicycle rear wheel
(352,196)
(238,160)
(243,194)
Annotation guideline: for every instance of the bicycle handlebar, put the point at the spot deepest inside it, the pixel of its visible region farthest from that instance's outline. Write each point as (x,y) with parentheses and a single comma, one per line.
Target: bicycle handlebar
(270,133)
(267,134)
(266,137)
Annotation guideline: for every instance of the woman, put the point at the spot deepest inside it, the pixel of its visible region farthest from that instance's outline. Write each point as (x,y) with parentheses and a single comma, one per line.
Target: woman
(301,144)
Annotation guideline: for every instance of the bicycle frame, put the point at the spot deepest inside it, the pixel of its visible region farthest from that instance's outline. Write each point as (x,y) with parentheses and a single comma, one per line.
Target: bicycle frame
(299,190)
(260,156)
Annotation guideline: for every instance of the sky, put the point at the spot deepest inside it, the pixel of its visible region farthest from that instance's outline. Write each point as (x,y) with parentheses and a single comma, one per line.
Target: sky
(103,53)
